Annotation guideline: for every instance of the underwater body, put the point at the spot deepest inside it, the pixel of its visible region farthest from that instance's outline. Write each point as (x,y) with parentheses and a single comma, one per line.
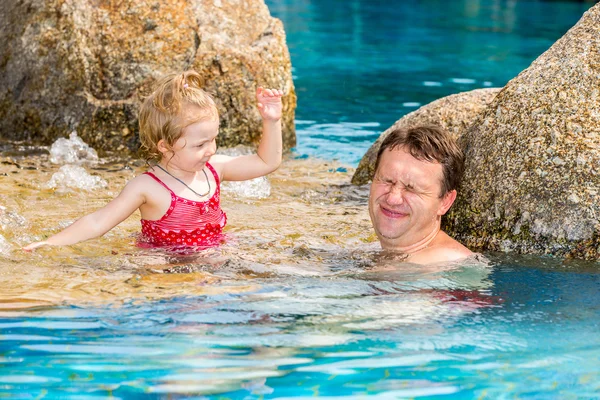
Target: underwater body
(300,302)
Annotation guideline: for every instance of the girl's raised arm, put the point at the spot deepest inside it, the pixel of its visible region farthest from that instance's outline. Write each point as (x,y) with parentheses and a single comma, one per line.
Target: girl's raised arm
(99,222)
(268,156)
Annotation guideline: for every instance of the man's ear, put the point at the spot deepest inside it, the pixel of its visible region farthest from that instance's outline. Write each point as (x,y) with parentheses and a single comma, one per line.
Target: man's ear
(447,202)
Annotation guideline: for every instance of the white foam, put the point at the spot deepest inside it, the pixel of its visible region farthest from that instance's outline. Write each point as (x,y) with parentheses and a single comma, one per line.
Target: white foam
(258,188)
(10,219)
(75,177)
(73,150)
(5,246)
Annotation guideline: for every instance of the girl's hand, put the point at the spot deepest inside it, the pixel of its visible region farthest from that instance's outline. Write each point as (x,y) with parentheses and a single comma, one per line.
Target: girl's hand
(269,103)
(35,245)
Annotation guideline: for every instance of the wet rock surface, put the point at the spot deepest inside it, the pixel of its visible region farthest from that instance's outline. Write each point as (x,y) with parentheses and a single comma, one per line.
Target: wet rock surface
(84,65)
(533,157)
(532,153)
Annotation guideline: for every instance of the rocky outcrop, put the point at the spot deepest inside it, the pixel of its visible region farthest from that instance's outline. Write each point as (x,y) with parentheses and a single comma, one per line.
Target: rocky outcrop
(533,158)
(455,113)
(85,65)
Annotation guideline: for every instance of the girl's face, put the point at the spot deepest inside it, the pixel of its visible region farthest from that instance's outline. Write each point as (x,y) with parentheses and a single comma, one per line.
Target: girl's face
(195,147)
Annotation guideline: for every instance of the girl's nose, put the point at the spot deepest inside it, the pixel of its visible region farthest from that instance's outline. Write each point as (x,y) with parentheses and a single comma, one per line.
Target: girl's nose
(212,149)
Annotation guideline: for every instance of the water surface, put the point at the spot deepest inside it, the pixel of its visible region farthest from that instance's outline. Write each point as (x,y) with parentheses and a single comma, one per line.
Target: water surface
(360,65)
(290,307)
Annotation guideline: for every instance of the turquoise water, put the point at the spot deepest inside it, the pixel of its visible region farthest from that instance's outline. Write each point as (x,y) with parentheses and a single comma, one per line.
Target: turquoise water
(505,331)
(360,65)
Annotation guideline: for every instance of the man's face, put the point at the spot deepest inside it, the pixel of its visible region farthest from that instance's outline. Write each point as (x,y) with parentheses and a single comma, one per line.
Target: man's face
(404,201)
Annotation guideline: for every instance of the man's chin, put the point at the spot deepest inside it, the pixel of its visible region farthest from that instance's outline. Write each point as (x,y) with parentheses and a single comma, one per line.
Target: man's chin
(388,237)
(389,229)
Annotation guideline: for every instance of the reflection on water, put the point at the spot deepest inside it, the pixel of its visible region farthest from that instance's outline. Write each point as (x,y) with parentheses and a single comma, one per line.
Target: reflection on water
(299,303)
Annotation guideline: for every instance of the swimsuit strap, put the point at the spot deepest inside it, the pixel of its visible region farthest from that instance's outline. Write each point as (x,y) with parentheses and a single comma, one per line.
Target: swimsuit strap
(150,174)
(210,167)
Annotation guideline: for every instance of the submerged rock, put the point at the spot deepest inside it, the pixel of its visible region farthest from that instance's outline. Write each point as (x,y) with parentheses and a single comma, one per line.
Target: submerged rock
(85,65)
(533,157)
(455,113)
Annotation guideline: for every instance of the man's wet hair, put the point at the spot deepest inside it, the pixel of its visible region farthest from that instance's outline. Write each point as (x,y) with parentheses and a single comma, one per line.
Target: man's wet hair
(429,143)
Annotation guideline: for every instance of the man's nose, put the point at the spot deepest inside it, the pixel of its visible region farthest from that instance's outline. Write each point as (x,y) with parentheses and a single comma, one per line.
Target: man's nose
(395,195)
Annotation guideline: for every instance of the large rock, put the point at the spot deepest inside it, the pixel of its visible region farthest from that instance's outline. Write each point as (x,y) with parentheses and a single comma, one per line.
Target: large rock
(85,65)
(455,113)
(533,158)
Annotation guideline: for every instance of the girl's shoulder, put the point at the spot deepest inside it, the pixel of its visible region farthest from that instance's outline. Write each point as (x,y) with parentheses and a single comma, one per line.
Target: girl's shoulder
(142,183)
(142,178)
(218,162)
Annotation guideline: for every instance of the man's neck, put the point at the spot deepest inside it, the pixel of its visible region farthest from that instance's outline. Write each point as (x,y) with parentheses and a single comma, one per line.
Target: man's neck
(418,246)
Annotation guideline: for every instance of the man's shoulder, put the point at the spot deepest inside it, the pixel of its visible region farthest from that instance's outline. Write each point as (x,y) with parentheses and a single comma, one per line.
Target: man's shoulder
(451,247)
(442,249)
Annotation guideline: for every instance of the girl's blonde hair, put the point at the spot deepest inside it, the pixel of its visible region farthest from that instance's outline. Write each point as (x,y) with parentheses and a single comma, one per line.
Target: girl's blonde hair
(165,113)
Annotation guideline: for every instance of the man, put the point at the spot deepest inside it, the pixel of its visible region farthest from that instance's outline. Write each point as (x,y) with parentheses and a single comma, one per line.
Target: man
(417,173)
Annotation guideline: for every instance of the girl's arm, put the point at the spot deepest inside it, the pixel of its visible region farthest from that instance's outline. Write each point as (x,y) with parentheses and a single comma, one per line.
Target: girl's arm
(99,222)
(269,153)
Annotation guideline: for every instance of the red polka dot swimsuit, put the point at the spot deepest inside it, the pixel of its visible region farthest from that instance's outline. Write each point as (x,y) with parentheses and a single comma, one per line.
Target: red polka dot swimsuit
(186,222)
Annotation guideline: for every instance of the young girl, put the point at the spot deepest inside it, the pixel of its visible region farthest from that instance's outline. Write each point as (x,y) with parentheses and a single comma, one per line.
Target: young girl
(179,196)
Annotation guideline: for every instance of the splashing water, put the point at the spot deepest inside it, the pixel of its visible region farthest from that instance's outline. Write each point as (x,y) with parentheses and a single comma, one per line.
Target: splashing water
(5,246)
(258,188)
(74,177)
(72,151)
(10,219)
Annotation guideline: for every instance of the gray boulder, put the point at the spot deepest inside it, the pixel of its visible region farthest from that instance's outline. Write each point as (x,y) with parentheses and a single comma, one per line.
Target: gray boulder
(85,65)
(533,157)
